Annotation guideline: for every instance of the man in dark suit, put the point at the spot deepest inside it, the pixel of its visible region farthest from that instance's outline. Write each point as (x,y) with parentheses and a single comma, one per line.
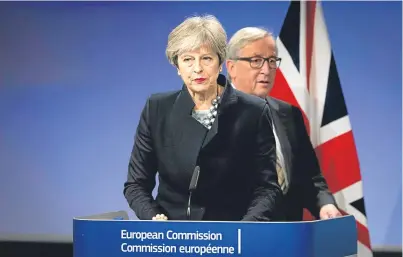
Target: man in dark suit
(251,63)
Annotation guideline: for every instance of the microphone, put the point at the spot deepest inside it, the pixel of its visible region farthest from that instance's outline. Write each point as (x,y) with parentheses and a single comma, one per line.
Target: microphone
(192,187)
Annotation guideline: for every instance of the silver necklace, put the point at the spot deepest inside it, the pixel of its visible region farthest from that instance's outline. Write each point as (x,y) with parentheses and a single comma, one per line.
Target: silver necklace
(212,114)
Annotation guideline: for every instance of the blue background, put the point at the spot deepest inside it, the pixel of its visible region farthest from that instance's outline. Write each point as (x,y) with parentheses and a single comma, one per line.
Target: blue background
(75,75)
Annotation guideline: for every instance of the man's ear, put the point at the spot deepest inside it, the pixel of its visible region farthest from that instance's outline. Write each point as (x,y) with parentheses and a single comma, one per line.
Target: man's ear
(231,68)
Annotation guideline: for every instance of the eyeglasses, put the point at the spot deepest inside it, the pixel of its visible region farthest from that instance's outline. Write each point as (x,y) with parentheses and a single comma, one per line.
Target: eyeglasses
(258,62)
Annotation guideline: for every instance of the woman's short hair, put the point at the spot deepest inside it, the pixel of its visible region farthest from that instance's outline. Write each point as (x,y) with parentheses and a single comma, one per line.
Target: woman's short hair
(194,33)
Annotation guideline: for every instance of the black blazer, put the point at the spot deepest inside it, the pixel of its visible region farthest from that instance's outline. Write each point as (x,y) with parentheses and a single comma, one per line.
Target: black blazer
(236,156)
(307,187)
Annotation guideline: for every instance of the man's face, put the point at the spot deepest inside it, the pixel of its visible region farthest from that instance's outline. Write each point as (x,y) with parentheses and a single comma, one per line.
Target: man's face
(255,76)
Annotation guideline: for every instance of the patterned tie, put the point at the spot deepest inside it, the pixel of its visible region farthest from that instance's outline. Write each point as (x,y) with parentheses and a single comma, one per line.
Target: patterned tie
(280,174)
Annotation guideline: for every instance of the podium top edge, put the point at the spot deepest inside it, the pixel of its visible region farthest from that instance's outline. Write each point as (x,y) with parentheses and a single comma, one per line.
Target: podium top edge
(198,221)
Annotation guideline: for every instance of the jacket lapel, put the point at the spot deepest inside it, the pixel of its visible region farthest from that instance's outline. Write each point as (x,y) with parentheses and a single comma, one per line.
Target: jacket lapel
(228,97)
(280,124)
(188,132)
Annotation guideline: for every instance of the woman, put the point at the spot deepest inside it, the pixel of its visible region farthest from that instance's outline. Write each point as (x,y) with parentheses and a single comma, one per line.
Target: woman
(207,124)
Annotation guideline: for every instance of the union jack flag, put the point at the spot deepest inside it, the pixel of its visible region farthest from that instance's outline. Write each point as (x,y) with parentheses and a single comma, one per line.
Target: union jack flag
(308,79)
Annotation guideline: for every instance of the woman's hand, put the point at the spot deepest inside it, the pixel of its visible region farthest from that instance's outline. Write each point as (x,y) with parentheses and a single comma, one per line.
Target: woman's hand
(160,217)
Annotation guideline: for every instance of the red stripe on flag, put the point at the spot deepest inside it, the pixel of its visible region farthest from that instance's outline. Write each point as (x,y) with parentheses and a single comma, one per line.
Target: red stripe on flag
(310,27)
(339,162)
(281,90)
(363,235)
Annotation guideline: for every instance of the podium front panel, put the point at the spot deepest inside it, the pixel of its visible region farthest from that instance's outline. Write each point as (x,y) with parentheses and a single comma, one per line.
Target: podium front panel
(114,238)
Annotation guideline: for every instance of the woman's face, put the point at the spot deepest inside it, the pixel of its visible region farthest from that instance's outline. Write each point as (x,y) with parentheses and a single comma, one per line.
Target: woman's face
(199,69)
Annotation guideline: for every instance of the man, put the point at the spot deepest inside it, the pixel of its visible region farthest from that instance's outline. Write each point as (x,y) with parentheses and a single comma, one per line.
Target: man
(251,64)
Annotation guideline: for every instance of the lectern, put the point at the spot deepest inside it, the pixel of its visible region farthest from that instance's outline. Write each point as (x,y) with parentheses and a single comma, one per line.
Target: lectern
(114,237)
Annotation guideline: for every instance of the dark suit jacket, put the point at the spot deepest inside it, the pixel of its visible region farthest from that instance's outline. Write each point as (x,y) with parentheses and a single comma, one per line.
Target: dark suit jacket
(308,188)
(236,156)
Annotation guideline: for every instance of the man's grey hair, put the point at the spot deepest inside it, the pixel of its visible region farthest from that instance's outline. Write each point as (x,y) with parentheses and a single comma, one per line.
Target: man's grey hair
(196,32)
(244,37)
